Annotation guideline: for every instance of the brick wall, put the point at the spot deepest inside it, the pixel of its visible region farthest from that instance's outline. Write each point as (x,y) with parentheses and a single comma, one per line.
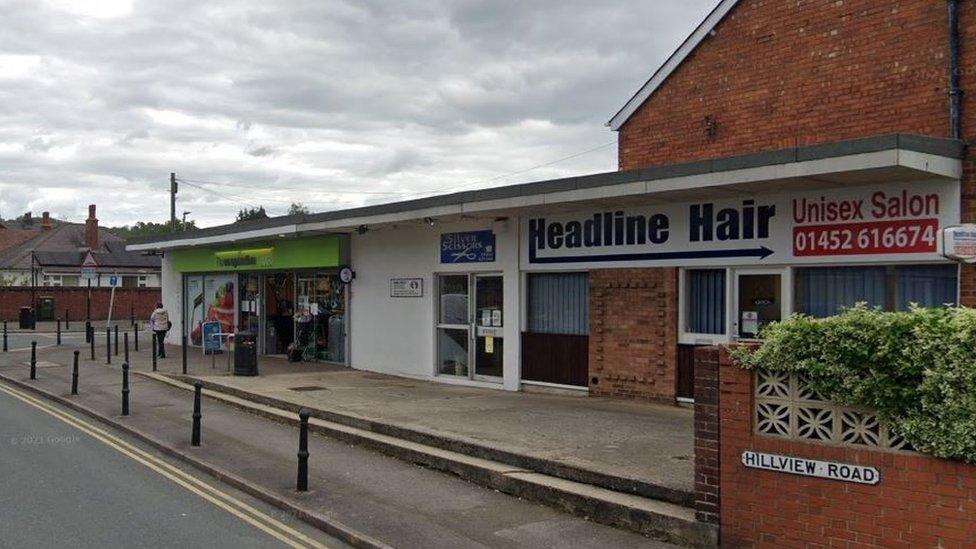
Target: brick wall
(920,502)
(800,72)
(707,448)
(633,333)
(141,301)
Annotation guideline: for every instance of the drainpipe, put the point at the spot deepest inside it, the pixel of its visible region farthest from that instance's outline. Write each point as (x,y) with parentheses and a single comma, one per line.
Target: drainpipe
(955,92)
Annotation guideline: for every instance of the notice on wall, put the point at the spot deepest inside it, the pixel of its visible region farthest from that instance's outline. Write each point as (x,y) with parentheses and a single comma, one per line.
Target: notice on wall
(887,222)
(406,287)
(858,474)
(960,243)
(489,345)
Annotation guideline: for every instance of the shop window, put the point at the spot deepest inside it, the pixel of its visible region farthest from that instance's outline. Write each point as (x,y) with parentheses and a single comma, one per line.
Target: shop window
(558,303)
(320,316)
(826,291)
(705,301)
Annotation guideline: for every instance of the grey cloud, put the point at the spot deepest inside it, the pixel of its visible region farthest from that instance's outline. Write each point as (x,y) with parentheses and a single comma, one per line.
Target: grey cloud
(338,96)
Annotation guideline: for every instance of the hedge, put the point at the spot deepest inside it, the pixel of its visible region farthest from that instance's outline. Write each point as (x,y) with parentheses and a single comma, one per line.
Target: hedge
(916,368)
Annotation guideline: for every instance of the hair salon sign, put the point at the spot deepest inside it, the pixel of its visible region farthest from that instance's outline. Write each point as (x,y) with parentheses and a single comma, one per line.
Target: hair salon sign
(848,224)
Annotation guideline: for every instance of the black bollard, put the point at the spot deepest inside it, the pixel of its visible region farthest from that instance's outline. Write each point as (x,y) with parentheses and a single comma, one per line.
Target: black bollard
(59,331)
(108,346)
(116,340)
(195,435)
(125,345)
(303,450)
(135,337)
(154,350)
(88,331)
(74,374)
(90,335)
(33,367)
(132,315)
(67,320)
(5,336)
(125,388)
(184,355)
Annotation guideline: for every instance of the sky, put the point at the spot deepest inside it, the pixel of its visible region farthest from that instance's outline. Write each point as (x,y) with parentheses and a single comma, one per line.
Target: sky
(329,103)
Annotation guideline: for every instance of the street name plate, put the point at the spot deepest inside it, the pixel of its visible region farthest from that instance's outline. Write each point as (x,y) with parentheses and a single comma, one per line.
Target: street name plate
(811,468)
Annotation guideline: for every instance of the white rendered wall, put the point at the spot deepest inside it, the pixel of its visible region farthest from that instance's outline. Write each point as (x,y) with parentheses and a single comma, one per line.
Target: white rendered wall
(172,290)
(396,335)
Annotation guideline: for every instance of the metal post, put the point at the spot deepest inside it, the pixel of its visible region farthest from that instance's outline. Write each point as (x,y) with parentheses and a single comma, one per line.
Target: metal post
(116,340)
(67,320)
(153,353)
(59,331)
(88,331)
(184,355)
(33,364)
(135,337)
(74,374)
(195,435)
(125,388)
(108,346)
(132,315)
(90,334)
(5,336)
(125,345)
(303,450)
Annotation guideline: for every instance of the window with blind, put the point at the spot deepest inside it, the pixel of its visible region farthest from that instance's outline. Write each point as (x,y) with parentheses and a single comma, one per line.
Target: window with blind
(826,291)
(705,308)
(559,303)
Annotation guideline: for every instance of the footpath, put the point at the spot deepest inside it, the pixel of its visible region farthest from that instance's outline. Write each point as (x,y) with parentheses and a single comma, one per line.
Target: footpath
(355,489)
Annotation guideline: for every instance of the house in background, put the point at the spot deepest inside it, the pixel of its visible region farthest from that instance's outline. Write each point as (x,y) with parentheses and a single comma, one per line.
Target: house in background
(54,251)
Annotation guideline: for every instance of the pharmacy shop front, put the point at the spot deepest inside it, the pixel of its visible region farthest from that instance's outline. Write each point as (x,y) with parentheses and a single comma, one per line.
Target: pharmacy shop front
(287,293)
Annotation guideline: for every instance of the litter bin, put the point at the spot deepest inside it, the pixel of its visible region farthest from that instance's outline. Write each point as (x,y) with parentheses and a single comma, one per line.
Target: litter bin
(45,308)
(26,318)
(245,354)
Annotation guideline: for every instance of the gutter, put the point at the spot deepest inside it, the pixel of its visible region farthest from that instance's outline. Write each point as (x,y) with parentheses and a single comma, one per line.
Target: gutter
(955,91)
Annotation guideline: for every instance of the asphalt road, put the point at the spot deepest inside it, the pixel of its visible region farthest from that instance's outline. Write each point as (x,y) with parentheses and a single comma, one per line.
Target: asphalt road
(66,482)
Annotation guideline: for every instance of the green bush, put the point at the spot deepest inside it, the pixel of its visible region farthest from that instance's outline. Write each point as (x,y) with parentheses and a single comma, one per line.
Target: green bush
(916,368)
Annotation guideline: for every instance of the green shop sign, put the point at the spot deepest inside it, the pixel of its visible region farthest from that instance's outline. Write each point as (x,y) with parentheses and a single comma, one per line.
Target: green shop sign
(304,253)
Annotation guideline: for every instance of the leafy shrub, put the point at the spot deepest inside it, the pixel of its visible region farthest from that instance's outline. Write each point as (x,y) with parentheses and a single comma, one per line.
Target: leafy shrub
(916,368)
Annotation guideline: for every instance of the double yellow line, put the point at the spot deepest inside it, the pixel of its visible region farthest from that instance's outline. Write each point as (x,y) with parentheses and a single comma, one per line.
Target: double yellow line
(274,528)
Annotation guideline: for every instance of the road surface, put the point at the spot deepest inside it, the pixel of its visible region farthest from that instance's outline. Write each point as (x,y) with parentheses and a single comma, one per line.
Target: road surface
(67,482)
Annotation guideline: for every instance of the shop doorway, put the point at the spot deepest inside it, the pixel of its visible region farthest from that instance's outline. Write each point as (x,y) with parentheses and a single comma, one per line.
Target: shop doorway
(470,326)
(759,300)
(279,307)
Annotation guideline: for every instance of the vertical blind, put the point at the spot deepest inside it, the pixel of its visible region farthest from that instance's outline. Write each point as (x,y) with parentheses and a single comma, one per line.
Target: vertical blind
(706,301)
(559,303)
(825,291)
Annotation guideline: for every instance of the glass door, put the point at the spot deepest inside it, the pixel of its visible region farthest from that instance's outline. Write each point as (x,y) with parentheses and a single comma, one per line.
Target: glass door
(488,299)
(470,326)
(759,301)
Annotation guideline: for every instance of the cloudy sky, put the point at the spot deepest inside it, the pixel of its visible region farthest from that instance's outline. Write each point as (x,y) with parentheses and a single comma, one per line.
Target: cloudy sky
(330,103)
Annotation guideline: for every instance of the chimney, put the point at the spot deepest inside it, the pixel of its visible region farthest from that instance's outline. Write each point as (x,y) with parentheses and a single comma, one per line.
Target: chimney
(46,221)
(28,220)
(91,229)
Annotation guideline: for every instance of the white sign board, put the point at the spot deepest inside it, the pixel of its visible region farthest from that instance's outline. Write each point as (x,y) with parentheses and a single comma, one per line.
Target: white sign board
(88,273)
(879,223)
(858,474)
(960,243)
(406,287)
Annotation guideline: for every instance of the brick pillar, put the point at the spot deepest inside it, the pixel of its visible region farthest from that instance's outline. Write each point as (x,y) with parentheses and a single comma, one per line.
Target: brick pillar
(707,450)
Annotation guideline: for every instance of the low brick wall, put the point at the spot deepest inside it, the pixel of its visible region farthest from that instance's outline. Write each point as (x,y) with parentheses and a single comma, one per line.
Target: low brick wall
(921,501)
(137,301)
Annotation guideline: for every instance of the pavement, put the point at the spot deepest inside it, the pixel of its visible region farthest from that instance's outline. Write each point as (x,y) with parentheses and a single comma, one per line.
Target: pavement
(353,488)
(61,486)
(649,443)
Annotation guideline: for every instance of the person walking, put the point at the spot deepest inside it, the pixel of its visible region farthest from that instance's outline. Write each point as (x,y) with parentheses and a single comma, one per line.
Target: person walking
(160,324)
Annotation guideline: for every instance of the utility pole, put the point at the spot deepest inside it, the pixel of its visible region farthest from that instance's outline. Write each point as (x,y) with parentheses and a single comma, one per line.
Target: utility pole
(173,189)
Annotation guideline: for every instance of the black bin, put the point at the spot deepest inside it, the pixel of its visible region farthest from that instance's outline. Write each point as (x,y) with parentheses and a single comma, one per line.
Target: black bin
(45,308)
(245,354)
(26,318)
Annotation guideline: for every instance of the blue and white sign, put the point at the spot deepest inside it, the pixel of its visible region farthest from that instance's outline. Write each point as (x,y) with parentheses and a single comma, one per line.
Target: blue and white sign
(113,280)
(469,247)
(878,223)
(212,342)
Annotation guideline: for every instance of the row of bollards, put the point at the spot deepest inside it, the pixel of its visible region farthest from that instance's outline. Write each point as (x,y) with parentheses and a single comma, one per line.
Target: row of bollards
(197,416)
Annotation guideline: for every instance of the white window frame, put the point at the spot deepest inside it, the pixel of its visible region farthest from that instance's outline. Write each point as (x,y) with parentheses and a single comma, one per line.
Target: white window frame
(53,281)
(686,337)
(786,292)
(142,281)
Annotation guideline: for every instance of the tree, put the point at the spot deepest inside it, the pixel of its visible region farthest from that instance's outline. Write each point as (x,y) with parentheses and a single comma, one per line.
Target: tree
(297,208)
(249,214)
(151,229)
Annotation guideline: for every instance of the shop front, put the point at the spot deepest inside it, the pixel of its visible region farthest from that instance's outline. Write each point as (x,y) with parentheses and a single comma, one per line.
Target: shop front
(286,293)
